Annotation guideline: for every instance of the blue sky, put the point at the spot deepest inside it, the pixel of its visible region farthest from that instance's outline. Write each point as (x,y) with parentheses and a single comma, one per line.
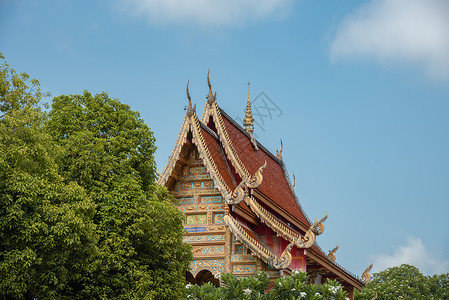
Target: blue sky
(360,92)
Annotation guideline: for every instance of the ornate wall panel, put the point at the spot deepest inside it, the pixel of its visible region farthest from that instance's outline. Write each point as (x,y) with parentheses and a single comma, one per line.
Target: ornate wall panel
(186,200)
(243,258)
(199,219)
(218,218)
(207,250)
(243,269)
(211,199)
(203,238)
(211,264)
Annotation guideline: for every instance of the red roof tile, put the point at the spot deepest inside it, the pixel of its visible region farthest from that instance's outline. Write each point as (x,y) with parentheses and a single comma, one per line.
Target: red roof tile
(274,184)
(219,158)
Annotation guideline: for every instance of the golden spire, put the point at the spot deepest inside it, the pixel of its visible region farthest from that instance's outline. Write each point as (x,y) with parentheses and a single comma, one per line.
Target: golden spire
(190,109)
(211,97)
(248,121)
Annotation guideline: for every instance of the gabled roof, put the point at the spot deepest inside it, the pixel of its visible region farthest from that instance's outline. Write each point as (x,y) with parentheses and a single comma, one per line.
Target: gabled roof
(275,185)
(235,161)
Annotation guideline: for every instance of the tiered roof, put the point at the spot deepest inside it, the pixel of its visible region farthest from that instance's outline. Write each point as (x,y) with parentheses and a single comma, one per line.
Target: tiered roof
(255,184)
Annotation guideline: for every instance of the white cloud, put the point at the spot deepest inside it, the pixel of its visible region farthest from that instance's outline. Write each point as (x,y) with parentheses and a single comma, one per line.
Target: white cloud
(414,253)
(208,12)
(410,31)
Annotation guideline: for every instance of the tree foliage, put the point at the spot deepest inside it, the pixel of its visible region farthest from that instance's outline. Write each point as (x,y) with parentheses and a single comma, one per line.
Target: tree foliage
(260,287)
(81,215)
(46,230)
(406,282)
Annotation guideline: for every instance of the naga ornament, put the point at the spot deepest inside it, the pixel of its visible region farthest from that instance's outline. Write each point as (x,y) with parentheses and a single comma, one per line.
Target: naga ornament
(256,180)
(318,227)
(366,277)
(331,254)
(285,259)
(307,241)
(238,194)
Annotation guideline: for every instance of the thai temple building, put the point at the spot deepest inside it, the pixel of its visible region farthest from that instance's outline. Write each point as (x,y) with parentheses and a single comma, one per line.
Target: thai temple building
(241,212)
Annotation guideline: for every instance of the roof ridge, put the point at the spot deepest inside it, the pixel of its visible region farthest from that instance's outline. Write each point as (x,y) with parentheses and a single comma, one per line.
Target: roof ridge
(215,111)
(237,125)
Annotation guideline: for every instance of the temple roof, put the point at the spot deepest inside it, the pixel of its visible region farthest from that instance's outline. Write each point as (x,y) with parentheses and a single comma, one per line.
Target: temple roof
(242,168)
(275,185)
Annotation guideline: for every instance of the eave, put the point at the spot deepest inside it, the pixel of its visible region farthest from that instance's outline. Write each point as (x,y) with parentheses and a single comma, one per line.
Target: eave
(334,268)
(257,248)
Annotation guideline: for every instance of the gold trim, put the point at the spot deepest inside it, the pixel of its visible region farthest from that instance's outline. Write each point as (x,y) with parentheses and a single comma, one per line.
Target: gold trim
(238,194)
(205,155)
(273,223)
(258,249)
(231,153)
(175,152)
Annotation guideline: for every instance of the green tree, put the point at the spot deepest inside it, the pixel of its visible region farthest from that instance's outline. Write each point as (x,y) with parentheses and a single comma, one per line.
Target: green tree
(46,229)
(109,151)
(405,282)
(260,287)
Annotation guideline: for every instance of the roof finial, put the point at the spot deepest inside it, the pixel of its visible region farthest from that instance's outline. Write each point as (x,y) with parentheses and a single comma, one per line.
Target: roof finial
(248,121)
(211,97)
(331,254)
(366,277)
(190,109)
(279,153)
(294,183)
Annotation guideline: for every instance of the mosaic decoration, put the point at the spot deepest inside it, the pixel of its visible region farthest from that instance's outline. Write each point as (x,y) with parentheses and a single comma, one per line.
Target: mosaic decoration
(196,219)
(195,229)
(218,218)
(210,199)
(208,185)
(199,176)
(236,269)
(213,265)
(197,184)
(273,273)
(211,250)
(197,170)
(186,185)
(187,200)
(203,238)
(239,249)
(243,258)
(202,208)
(216,228)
